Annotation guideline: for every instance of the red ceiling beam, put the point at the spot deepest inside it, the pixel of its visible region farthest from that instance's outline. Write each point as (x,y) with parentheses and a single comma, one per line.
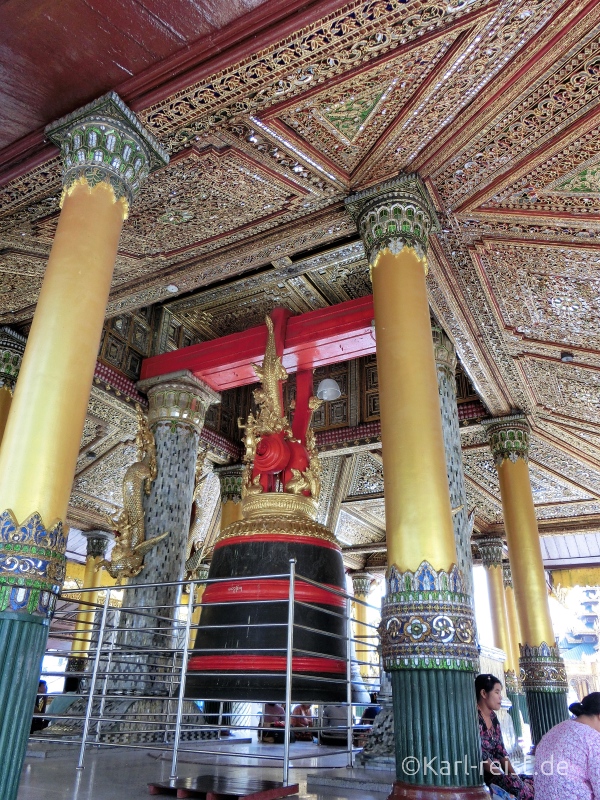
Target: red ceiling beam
(315,339)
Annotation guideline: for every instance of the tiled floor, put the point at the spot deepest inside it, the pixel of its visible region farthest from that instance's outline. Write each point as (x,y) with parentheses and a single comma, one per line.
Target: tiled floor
(123,774)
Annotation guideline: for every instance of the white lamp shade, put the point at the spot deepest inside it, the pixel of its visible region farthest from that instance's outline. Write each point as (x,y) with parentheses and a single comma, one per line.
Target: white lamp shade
(328,390)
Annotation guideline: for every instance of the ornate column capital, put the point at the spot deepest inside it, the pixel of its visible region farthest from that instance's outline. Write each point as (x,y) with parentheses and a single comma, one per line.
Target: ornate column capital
(105,142)
(178,399)
(361,584)
(507,575)
(542,669)
(509,437)
(230,480)
(491,550)
(97,542)
(395,214)
(12,347)
(444,350)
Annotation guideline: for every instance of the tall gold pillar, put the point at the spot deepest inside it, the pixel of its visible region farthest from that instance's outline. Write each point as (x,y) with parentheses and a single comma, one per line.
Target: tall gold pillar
(542,668)
(97,542)
(361,585)
(230,480)
(514,627)
(491,550)
(106,155)
(514,630)
(12,345)
(432,674)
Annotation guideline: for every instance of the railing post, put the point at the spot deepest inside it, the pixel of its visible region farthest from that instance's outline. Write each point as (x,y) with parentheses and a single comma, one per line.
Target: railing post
(349,680)
(288,674)
(88,711)
(104,687)
(184,661)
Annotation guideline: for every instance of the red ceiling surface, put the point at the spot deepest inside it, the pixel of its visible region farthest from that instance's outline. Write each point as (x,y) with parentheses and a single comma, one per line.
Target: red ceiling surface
(55,56)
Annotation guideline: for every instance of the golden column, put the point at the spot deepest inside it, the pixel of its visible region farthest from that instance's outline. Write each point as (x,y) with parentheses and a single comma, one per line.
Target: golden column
(514,631)
(365,636)
(427,628)
(230,480)
(12,345)
(97,542)
(542,668)
(491,550)
(107,155)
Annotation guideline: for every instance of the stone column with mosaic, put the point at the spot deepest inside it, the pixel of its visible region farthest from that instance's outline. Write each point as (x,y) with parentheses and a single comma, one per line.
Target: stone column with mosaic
(543,674)
(491,550)
(427,629)
(106,156)
(445,361)
(177,407)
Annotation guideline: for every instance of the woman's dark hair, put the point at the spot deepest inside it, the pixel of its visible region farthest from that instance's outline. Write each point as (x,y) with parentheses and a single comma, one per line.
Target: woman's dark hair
(485,682)
(590,705)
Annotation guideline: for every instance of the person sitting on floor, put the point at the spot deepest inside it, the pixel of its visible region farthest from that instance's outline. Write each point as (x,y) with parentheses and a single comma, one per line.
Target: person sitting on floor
(371,710)
(302,719)
(335,716)
(274,721)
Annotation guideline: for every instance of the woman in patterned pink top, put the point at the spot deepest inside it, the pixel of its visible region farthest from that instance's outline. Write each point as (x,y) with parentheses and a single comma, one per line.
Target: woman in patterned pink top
(567,759)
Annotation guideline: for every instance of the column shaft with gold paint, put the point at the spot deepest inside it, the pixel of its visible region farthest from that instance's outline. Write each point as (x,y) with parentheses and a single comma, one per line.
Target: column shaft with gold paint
(491,551)
(432,672)
(365,652)
(97,542)
(514,630)
(542,668)
(106,155)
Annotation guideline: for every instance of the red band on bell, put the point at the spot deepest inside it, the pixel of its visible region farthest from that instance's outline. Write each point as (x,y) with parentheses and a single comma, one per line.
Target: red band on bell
(269,589)
(245,663)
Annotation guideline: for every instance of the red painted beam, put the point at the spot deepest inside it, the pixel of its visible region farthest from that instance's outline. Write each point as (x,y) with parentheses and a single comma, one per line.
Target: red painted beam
(315,339)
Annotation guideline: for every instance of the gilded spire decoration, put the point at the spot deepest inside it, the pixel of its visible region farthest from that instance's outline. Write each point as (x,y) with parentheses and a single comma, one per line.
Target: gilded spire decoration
(277,459)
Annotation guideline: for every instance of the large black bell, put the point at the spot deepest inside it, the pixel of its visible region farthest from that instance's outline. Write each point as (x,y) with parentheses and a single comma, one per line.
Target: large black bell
(240,647)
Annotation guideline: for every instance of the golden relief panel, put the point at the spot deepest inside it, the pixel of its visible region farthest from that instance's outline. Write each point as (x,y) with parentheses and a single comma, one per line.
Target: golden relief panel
(545,292)
(343,122)
(204,195)
(350,531)
(549,104)
(569,391)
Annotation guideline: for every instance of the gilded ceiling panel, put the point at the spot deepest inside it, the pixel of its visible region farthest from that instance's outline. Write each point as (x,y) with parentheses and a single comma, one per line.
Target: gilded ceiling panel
(568,390)
(204,195)
(344,121)
(550,104)
(545,292)
(350,530)
(367,476)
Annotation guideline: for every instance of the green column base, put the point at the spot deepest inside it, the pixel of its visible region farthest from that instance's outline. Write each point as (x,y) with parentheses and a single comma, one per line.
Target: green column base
(515,712)
(435,717)
(546,709)
(22,642)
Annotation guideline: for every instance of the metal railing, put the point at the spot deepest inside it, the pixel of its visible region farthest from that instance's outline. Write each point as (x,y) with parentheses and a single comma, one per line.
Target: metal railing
(149,647)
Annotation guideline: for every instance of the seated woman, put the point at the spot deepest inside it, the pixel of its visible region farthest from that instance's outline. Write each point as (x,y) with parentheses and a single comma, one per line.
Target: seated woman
(567,758)
(371,710)
(496,763)
(302,719)
(273,717)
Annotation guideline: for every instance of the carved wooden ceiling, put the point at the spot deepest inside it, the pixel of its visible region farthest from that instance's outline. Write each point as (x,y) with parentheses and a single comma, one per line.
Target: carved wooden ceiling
(493,102)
